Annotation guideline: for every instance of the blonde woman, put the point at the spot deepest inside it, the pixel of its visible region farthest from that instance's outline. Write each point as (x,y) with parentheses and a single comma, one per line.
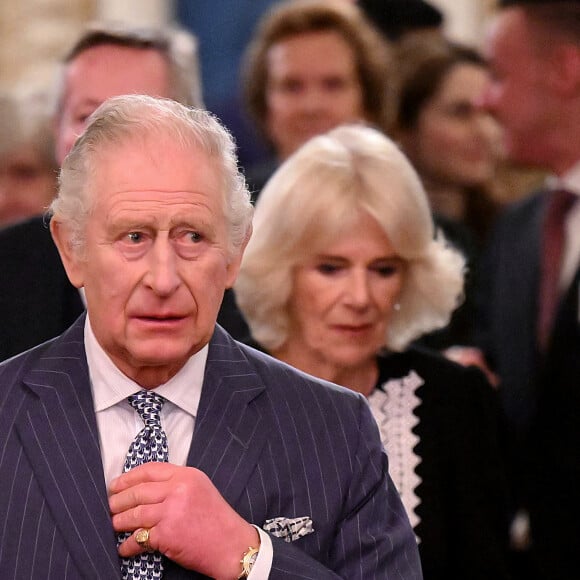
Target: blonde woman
(342,272)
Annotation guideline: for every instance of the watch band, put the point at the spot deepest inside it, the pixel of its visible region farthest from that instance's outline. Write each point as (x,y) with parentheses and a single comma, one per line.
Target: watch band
(248,560)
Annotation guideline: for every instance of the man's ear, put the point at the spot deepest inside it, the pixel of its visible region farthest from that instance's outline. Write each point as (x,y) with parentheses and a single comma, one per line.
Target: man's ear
(70,256)
(236,261)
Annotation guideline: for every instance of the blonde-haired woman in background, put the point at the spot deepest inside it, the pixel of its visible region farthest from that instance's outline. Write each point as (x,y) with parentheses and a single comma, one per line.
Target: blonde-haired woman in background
(342,272)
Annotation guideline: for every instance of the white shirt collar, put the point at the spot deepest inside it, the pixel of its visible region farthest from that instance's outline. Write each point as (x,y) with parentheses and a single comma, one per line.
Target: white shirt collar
(570,181)
(110,386)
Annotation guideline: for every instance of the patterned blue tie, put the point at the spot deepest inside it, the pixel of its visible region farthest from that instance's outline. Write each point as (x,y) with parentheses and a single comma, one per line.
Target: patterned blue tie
(150,444)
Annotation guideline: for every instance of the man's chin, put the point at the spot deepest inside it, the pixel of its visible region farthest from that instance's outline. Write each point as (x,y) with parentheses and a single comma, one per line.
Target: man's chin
(156,362)
(162,354)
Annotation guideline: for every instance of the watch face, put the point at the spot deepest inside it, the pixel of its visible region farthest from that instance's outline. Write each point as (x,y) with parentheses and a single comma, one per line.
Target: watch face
(248,560)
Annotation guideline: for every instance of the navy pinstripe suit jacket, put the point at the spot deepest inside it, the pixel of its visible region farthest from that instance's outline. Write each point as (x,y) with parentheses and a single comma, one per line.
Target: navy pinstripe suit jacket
(274,442)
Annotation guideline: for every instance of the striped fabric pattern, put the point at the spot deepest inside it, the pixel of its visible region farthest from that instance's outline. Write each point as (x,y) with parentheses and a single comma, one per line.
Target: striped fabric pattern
(275,442)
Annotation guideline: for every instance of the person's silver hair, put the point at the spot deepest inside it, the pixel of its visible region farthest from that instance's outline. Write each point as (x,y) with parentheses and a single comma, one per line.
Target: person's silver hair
(120,119)
(177,46)
(318,193)
(25,120)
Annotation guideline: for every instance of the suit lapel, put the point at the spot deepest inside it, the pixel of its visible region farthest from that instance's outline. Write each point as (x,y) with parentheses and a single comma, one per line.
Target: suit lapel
(59,435)
(519,283)
(230,431)
(566,331)
(58,430)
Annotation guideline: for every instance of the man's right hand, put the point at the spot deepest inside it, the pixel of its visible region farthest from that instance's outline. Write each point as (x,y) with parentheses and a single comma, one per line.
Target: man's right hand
(190,522)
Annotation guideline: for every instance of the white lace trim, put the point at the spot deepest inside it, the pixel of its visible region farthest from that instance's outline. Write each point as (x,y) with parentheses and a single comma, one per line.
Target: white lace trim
(393,409)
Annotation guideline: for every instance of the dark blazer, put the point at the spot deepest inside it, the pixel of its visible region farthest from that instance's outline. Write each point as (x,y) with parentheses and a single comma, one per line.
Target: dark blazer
(37,301)
(275,442)
(539,391)
(508,306)
(463,489)
(553,450)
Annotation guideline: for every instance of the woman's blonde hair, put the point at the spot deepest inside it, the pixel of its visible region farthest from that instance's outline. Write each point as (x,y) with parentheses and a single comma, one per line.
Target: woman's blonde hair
(312,197)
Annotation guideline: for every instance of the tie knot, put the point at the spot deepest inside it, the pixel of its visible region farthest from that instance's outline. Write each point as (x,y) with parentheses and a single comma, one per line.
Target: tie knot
(148,404)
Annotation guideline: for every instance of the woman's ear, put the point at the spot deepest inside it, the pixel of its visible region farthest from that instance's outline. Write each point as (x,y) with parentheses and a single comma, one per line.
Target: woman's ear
(69,254)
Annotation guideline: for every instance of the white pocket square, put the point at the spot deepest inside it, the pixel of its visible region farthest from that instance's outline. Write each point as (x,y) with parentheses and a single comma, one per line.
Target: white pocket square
(289,529)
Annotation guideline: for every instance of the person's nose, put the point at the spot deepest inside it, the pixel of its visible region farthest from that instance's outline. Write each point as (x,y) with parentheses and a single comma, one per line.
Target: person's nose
(163,275)
(489,131)
(484,102)
(357,290)
(312,100)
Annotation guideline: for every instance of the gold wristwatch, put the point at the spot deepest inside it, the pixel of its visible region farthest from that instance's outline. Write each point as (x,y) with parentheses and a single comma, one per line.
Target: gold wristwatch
(248,560)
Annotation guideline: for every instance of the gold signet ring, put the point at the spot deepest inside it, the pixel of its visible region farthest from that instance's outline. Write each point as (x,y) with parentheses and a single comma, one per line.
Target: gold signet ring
(142,538)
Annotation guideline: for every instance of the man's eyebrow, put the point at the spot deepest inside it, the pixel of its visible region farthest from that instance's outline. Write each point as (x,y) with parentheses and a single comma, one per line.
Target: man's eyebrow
(195,222)
(128,224)
(326,256)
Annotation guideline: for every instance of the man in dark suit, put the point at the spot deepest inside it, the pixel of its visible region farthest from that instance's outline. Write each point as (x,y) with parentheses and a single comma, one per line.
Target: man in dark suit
(529,316)
(37,302)
(235,465)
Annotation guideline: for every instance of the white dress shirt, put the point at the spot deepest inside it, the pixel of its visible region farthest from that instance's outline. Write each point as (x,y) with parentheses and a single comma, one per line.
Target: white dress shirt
(118,423)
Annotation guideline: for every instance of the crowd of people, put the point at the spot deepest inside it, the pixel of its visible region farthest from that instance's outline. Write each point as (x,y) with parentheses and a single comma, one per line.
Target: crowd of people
(354,358)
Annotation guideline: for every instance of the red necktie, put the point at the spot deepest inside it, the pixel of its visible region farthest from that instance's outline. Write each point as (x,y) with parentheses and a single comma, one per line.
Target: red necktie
(552,252)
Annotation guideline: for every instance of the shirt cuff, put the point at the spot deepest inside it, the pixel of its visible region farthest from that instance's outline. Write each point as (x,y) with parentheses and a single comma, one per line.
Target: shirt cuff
(263,564)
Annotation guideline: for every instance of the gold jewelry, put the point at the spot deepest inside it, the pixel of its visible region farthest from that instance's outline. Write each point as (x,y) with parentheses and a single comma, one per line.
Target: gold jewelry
(142,538)
(248,560)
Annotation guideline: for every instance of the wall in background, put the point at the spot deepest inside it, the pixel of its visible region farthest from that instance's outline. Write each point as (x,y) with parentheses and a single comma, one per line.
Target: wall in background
(33,36)
(465,20)
(145,12)
(35,33)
